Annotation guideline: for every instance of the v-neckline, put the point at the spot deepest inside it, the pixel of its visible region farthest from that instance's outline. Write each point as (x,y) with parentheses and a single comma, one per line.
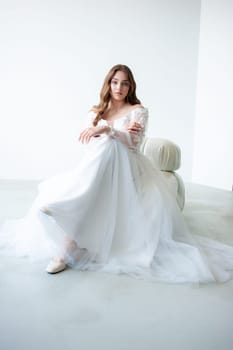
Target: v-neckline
(123,116)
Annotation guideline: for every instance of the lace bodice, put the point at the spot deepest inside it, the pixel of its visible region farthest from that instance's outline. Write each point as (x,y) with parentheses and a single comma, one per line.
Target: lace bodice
(119,126)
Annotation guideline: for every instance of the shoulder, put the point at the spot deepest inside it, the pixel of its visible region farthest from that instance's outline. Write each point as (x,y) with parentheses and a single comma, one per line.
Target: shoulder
(139,109)
(91,111)
(137,106)
(91,114)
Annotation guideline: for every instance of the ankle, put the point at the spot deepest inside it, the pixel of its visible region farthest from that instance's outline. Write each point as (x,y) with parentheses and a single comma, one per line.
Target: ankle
(58,259)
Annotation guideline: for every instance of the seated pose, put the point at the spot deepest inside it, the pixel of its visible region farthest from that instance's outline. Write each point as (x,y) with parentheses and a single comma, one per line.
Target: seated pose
(113,212)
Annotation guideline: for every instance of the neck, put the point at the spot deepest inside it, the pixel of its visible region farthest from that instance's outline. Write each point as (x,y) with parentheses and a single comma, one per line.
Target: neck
(116,105)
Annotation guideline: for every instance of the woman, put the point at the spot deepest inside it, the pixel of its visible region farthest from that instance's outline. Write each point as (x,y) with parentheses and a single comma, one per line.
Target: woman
(113,212)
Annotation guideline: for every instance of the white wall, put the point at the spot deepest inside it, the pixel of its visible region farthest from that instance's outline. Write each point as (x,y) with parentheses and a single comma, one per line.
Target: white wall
(54,55)
(213,141)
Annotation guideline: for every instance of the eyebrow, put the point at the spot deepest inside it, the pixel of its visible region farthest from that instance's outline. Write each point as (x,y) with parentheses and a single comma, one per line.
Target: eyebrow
(122,80)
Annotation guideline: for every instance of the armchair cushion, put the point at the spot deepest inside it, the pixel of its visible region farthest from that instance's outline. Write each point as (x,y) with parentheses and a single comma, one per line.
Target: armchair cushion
(165,155)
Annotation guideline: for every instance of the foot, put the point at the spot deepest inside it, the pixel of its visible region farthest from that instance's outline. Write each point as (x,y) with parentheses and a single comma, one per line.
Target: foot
(56,265)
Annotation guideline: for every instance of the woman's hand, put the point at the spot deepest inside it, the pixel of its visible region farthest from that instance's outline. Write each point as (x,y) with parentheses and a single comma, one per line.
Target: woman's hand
(92,131)
(134,127)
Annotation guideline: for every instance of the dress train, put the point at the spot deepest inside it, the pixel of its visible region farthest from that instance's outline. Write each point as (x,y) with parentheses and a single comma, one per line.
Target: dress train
(114,213)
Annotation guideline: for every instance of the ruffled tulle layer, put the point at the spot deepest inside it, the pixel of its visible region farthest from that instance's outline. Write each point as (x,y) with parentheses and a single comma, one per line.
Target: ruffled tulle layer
(113,213)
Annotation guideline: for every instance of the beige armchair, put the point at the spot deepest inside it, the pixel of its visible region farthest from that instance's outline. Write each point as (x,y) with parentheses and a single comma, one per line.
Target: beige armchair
(166,156)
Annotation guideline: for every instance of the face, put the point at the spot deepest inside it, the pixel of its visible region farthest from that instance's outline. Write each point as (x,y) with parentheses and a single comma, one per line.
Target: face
(119,86)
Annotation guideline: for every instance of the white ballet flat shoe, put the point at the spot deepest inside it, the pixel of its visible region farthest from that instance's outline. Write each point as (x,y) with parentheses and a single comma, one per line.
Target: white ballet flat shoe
(55,266)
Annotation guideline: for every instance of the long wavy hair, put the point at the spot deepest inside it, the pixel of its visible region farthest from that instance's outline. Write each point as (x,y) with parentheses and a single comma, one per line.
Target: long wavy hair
(105,95)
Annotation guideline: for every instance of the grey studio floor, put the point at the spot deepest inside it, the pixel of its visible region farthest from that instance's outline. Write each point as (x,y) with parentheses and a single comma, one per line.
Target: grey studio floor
(87,310)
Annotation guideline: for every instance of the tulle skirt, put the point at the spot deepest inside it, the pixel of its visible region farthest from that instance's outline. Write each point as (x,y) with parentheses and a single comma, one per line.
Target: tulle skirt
(114,213)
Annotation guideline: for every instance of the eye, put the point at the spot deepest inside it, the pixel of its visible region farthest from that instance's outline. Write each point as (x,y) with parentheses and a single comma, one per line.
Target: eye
(114,82)
(125,84)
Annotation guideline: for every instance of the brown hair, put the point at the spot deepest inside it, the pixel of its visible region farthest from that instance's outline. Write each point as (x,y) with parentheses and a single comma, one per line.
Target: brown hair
(105,91)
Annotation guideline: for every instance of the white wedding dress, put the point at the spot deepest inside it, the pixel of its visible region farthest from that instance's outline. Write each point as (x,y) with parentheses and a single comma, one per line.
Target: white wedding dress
(117,209)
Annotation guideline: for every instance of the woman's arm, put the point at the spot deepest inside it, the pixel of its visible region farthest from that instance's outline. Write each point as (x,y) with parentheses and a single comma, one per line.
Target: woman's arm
(131,134)
(93,131)
(134,130)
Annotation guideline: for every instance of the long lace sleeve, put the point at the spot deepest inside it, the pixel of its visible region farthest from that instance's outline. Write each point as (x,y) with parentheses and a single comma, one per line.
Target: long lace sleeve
(132,141)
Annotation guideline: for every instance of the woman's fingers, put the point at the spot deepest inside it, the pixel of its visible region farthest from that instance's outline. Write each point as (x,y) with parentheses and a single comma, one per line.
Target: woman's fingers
(86,135)
(134,128)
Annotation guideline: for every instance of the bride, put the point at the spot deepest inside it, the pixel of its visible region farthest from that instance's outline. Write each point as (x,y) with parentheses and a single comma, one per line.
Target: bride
(113,212)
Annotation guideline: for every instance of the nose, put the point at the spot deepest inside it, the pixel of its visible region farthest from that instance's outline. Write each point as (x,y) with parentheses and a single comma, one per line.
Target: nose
(118,85)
